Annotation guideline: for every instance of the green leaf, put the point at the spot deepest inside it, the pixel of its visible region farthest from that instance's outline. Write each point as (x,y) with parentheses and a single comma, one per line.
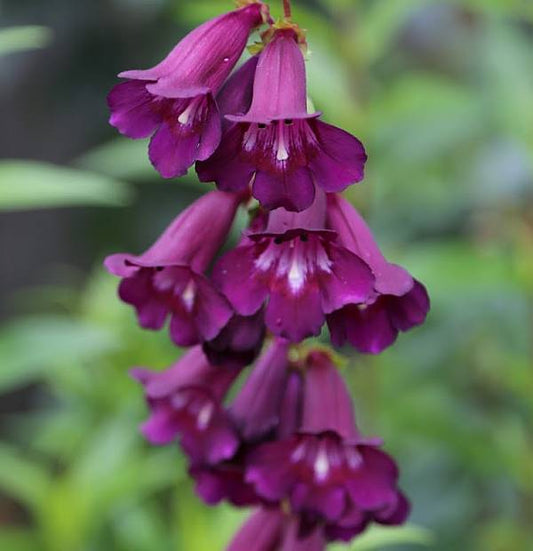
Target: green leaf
(18,540)
(377,537)
(28,37)
(31,184)
(22,479)
(30,347)
(119,158)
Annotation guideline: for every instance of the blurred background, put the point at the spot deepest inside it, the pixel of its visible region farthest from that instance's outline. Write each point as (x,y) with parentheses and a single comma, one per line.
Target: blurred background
(441,93)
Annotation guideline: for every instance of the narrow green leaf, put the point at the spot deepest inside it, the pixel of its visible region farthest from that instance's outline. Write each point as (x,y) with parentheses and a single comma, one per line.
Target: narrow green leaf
(377,537)
(22,479)
(31,184)
(30,347)
(28,37)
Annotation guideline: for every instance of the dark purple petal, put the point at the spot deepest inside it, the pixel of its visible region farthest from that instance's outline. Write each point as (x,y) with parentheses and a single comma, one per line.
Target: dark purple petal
(268,470)
(261,532)
(396,514)
(173,151)
(292,190)
(350,280)
(223,482)
(368,329)
(341,158)
(351,525)
(239,342)
(211,131)
(293,540)
(206,56)
(356,236)
(411,309)
(206,433)
(373,486)
(160,428)
(236,95)
(193,238)
(234,276)
(226,167)
(291,408)
(280,83)
(295,315)
(212,310)
(327,405)
(132,110)
(256,408)
(137,290)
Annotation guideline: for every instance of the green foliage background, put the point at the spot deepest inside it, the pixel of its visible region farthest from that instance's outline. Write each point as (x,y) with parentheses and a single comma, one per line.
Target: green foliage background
(441,93)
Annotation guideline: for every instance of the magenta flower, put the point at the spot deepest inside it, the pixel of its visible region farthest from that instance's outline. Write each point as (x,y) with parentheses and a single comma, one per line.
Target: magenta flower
(185,403)
(174,101)
(224,481)
(239,342)
(256,409)
(236,94)
(277,145)
(272,530)
(327,471)
(298,269)
(167,279)
(398,302)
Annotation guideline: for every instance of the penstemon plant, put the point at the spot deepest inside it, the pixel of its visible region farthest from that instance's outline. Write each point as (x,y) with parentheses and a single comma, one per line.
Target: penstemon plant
(287,443)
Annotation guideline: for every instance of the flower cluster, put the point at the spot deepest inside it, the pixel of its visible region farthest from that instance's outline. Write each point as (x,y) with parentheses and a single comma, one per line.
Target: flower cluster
(287,442)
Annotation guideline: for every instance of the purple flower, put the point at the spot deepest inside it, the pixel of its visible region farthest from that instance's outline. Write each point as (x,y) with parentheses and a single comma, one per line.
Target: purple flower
(398,302)
(185,403)
(239,342)
(298,268)
(256,409)
(167,279)
(224,481)
(277,145)
(327,471)
(236,94)
(174,101)
(272,530)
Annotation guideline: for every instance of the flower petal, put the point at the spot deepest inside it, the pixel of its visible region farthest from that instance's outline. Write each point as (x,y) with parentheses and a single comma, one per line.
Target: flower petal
(349,282)
(294,191)
(172,151)
(225,167)
(132,111)
(234,275)
(341,159)
(295,316)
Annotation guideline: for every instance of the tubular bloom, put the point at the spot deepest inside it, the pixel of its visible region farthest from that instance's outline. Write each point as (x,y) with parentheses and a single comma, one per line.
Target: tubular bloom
(326,470)
(398,302)
(277,145)
(299,267)
(167,279)
(286,442)
(174,102)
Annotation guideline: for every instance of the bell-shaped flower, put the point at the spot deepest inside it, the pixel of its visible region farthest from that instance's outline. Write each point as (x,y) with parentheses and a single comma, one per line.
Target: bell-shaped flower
(185,403)
(256,408)
(297,268)
(167,279)
(272,530)
(239,342)
(399,302)
(277,146)
(174,102)
(327,471)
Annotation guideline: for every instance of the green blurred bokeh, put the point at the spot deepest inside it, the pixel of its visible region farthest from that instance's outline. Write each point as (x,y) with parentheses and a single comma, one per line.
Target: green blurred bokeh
(441,93)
